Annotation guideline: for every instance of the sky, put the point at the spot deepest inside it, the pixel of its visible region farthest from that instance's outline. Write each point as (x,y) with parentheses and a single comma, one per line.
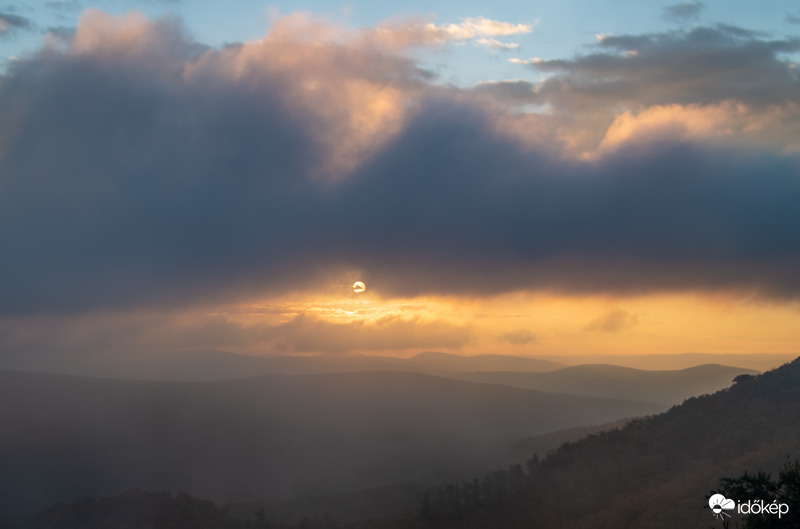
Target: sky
(555,178)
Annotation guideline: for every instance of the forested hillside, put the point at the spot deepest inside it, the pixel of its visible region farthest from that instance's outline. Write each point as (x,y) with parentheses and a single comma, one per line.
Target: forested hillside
(654,473)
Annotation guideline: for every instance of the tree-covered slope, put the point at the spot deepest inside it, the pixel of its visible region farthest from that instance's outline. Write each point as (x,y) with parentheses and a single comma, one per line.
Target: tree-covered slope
(653,473)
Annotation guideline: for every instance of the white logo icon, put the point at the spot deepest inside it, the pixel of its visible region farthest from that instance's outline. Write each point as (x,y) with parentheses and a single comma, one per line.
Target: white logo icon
(719,503)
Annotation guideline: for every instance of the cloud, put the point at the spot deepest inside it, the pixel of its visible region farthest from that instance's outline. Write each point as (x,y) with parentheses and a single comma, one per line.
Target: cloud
(727,122)
(519,337)
(495,217)
(792,19)
(145,171)
(509,90)
(304,334)
(124,334)
(402,33)
(496,44)
(481,27)
(683,11)
(516,60)
(613,321)
(704,66)
(700,66)
(61,33)
(11,23)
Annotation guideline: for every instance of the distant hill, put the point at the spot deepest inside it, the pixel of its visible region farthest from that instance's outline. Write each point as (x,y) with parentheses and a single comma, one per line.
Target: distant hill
(207,365)
(273,436)
(756,361)
(654,473)
(606,381)
(195,365)
(440,362)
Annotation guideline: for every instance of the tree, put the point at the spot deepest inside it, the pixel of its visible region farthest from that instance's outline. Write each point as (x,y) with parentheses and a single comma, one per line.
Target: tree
(761,486)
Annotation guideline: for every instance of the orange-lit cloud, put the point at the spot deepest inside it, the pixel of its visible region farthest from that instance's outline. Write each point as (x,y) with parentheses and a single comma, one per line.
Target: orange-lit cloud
(726,122)
(303,333)
(386,334)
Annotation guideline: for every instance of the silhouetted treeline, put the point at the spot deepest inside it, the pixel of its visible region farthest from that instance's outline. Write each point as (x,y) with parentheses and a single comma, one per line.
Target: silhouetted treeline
(139,509)
(135,509)
(783,491)
(489,498)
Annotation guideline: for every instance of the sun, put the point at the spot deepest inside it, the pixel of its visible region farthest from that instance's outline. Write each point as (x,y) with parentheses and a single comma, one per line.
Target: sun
(359,287)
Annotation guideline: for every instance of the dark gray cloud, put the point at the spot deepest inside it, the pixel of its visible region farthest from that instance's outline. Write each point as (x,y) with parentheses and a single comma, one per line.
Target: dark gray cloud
(467,212)
(516,91)
(11,24)
(127,183)
(704,65)
(683,11)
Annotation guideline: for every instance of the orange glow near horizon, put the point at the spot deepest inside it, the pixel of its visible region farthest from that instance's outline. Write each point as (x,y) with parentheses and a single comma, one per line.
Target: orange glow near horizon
(545,324)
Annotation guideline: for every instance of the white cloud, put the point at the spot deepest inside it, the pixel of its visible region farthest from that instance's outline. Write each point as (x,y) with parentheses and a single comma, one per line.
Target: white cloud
(399,34)
(532,60)
(482,27)
(494,43)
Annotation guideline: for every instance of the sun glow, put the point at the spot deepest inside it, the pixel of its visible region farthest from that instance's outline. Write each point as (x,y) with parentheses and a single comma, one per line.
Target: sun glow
(536,325)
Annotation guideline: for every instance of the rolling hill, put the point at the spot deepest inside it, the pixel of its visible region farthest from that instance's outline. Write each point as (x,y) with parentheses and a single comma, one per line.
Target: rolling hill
(615,382)
(207,365)
(273,436)
(756,361)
